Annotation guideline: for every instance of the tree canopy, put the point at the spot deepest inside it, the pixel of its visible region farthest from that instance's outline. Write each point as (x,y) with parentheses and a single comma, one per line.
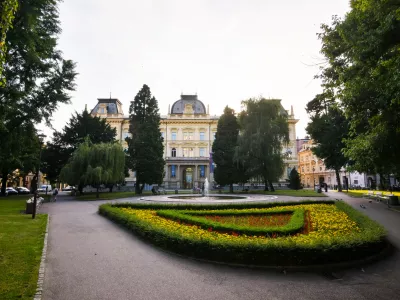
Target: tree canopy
(37,78)
(294,180)
(145,146)
(264,130)
(227,171)
(95,165)
(80,127)
(361,72)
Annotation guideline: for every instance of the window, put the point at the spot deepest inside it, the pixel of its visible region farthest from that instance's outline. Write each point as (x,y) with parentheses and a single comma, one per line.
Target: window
(125,135)
(173,136)
(173,169)
(302,169)
(202,171)
(188,152)
(214,134)
(202,135)
(188,136)
(173,152)
(101,110)
(355,181)
(202,152)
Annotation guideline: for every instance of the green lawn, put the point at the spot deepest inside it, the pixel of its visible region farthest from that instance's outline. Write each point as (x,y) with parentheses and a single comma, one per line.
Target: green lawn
(360,193)
(293,193)
(21,243)
(26,197)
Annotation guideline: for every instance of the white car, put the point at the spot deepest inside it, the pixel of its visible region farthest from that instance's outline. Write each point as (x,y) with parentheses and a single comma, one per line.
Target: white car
(11,191)
(68,188)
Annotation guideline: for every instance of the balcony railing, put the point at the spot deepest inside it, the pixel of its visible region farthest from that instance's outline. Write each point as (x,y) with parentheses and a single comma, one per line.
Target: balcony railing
(187,158)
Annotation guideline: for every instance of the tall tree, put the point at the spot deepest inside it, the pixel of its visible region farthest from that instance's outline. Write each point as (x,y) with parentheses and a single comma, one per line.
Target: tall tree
(328,130)
(37,77)
(65,142)
(145,146)
(227,171)
(7,11)
(294,180)
(362,71)
(95,165)
(264,130)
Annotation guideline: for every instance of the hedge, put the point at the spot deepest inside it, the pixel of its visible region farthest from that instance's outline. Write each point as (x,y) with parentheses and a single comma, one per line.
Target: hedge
(286,252)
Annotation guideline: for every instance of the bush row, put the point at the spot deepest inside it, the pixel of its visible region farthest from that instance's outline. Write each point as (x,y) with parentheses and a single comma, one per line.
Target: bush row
(294,226)
(282,252)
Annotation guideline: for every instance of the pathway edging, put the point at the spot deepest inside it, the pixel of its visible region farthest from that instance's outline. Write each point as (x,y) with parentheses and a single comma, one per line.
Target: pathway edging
(39,289)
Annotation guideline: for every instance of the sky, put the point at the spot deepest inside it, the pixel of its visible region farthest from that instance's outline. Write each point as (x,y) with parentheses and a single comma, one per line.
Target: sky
(226,51)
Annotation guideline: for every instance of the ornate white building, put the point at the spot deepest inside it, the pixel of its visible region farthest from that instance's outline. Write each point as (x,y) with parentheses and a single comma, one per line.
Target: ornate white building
(188,131)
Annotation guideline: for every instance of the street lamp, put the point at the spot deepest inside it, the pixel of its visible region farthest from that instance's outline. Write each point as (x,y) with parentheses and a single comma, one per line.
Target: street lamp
(35,193)
(313,170)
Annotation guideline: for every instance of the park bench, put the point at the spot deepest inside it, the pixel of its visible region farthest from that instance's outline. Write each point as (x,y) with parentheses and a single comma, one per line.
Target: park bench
(378,196)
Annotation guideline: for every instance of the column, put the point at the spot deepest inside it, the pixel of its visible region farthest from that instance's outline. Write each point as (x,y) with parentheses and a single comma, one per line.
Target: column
(195,176)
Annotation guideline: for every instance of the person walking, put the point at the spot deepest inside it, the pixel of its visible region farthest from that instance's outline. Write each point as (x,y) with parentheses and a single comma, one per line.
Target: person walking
(55,193)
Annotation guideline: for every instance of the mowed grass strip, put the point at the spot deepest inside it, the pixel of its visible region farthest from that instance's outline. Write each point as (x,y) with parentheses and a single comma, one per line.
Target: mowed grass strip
(21,244)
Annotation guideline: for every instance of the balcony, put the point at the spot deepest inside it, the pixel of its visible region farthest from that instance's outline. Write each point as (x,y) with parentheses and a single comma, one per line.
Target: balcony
(185,158)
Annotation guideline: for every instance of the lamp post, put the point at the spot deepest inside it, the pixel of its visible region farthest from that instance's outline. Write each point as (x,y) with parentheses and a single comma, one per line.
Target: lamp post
(313,169)
(35,194)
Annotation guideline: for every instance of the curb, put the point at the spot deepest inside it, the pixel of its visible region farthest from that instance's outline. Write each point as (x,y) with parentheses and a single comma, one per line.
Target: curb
(39,289)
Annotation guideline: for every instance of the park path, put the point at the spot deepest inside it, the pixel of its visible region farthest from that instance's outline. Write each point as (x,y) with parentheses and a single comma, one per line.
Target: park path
(91,258)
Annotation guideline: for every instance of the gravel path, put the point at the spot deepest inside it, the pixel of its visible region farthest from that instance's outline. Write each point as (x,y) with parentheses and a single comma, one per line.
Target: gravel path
(89,257)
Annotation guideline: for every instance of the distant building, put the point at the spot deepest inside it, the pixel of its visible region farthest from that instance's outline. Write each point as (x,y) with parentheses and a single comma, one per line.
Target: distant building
(188,131)
(313,171)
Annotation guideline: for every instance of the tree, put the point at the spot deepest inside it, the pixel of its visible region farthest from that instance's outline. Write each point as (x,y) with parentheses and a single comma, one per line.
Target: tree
(362,71)
(294,180)
(145,146)
(95,165)
(328,130)
(7,11)
(81,126)
(37,77)
(264,130)
(227,170)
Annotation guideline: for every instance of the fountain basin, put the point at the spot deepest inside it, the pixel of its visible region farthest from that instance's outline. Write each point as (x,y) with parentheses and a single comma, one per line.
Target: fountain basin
(193,197)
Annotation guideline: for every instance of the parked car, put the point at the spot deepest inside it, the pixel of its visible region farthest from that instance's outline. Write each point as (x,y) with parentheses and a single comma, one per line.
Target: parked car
(23,190)
(68,188)
(11,191)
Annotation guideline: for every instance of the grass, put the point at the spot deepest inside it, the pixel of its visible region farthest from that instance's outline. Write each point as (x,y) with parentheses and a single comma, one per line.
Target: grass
(333,232)
(25,197)
(21,243)
(292,193)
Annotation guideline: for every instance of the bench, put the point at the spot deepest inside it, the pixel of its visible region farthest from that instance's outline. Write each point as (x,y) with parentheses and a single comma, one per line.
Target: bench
(378,196)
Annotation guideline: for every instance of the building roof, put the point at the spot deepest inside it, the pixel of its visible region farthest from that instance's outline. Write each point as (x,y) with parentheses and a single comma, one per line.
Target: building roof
(179,106)
(113,105)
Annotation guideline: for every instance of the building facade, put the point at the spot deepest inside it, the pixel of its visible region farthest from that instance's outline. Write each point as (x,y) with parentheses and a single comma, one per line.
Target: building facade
(313,171)
(188,131)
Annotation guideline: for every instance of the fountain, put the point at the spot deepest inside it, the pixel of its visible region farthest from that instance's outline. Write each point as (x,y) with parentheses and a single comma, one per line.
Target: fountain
(205,189)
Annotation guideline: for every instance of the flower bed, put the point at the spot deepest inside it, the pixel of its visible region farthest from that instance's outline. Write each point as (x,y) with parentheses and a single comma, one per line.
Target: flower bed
(317,232)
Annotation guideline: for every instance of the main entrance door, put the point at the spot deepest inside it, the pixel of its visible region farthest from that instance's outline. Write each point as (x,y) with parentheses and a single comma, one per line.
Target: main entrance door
(187,178)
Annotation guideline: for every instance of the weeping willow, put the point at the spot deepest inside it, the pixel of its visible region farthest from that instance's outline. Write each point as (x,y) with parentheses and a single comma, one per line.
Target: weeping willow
(95,165)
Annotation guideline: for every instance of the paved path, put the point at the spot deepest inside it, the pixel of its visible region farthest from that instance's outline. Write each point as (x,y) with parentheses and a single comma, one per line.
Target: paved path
(89,257)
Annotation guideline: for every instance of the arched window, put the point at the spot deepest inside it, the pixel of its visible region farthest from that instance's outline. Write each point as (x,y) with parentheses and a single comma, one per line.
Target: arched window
(173,152)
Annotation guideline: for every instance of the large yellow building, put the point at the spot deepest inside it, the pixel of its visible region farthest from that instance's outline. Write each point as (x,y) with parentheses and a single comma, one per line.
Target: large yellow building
(188,131)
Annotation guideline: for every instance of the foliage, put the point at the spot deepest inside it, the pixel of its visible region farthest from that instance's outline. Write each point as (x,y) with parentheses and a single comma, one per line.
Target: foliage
(294,180)
(37,77)
(20,150)
(328,129)
(291,193)
(21,244)
(81,126)
(362,71)
(227,170)
(145,146)
(338,233)
(96,165)
(7,10)
(264,129)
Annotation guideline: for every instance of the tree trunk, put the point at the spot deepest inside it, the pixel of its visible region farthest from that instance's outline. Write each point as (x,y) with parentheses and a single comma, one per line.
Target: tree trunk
(3,184)
(111,188)
(97,192)
(338,180)
(137,188)
(80,189)
(141,189)
(231,188)
(266,185)
(271,186)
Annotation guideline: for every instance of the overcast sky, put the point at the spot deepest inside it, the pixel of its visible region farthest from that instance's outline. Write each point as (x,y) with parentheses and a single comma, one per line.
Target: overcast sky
(223,50)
